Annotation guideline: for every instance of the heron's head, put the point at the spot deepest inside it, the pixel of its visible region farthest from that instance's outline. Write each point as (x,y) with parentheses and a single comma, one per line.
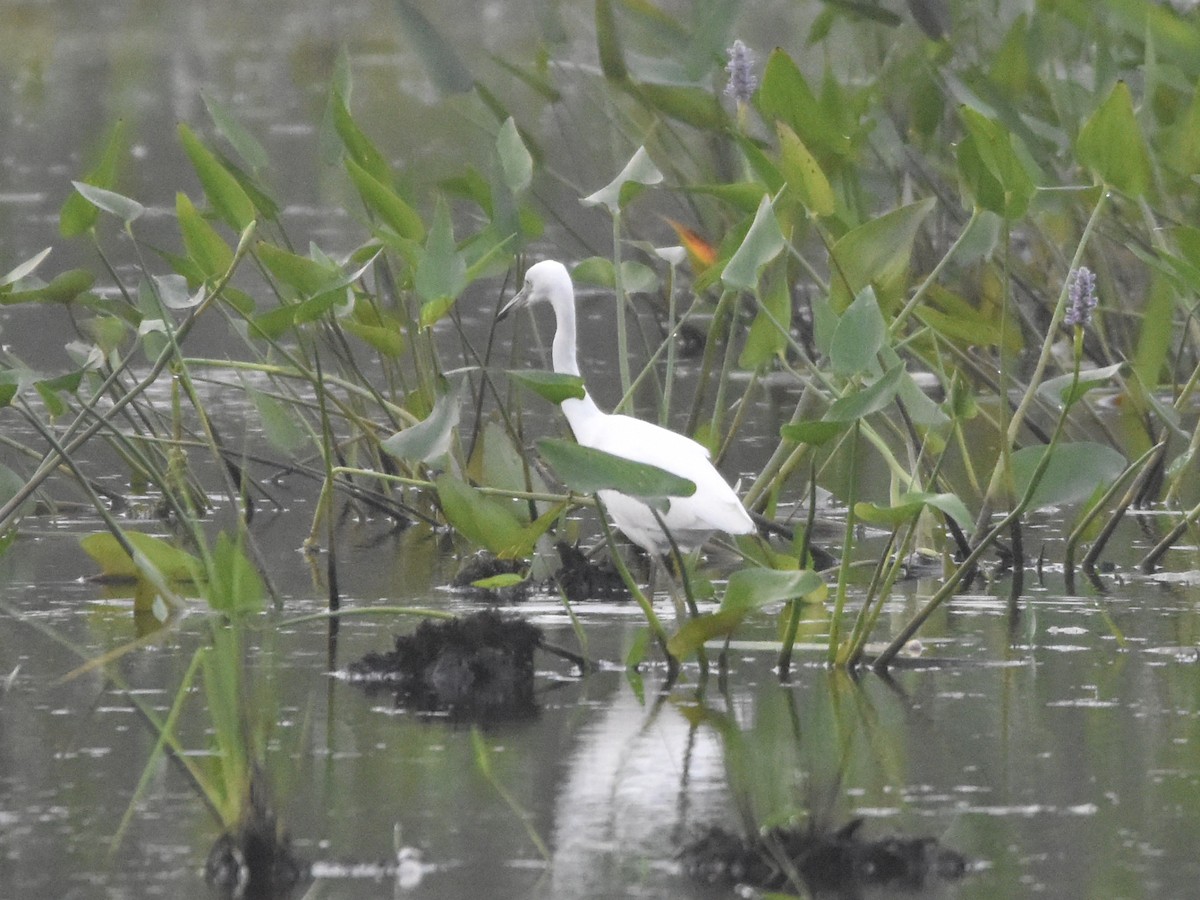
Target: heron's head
(545,281)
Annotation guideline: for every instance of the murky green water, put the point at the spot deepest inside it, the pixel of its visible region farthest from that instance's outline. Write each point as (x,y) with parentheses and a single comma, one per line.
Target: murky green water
(1057,747)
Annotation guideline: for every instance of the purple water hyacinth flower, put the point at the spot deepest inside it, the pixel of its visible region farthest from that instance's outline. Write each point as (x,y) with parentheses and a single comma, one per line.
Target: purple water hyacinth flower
(742,80)
(1081,296)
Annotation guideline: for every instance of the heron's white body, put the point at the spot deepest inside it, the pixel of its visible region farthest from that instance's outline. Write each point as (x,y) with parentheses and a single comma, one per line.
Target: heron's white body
(691,520)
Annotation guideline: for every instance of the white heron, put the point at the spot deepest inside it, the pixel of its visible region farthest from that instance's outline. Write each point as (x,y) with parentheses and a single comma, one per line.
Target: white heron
(690,520)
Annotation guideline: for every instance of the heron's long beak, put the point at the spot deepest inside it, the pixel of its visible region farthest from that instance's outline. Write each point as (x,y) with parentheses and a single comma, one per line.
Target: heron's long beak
(519,299)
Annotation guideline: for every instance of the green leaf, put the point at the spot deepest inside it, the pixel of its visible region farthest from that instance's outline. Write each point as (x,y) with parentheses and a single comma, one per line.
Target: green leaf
(908,505)
(430,439)
(25,269)
(122,207)
(174,564)
(868,400)
(692,105)
(385,203)
(639,171)
(516,165)
(551,386)
(1059,390)
(243,142)
(227,197)
(762,244)
(1111,145)
(784,96)
(803,173)
(362,151)
(991,167)
(877,253)
(490,523)
(279,422)
(587,470)
(442,270)
(308,276)
(204,246)
(234,584)
(859,335)
(1074,473)
(63,288)
(77,215)
(499,582)
(387,339)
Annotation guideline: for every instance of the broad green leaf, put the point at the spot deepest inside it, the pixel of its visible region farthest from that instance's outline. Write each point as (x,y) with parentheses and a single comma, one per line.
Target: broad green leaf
(488,522)
(860,333)
(499,582)
(234,584)
(639,171)
(308,276)
(387,339)
(1111,144)
(204,246)
(515,162)
(635,276)
(877,253)
(430,439)
(447,70)
(77,215)
(111,202)
(908,505)
(220,186)
(587,470)
(803,173)
(785,96)
(551,386)
(867,400)
(992,168)
(385,203)
(243,142)
(1074,473)
(442,270)
(173,563)
(1059,390)
(762,244)
(815,433)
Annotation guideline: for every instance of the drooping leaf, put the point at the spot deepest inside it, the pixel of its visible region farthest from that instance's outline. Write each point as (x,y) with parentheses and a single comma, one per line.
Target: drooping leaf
(174,564)
(991,167)
(430,439)
(587,470)
(385,203)
(77,215)
(279,423)
(638,172)
(124,208)
(812,432)
(487,521)
(550,386)
(204,246)
(612,58)
(446,68)
(762,243)
(442,271)
(768,333)
(245,144)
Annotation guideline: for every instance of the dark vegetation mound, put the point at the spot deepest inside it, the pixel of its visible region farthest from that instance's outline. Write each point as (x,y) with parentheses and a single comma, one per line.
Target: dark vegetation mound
(478,667)
(582,579)
(829,863)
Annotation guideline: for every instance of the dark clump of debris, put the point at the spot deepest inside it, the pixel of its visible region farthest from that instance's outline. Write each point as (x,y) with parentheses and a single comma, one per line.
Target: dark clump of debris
(839,863)
(580,578)
(255,860)
(477,667)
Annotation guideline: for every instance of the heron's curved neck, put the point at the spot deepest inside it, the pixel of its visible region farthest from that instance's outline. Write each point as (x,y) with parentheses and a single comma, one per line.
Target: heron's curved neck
(581,413)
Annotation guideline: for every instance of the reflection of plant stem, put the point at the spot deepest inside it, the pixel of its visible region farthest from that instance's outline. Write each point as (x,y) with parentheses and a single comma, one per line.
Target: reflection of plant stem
(839,602)
(483,761)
